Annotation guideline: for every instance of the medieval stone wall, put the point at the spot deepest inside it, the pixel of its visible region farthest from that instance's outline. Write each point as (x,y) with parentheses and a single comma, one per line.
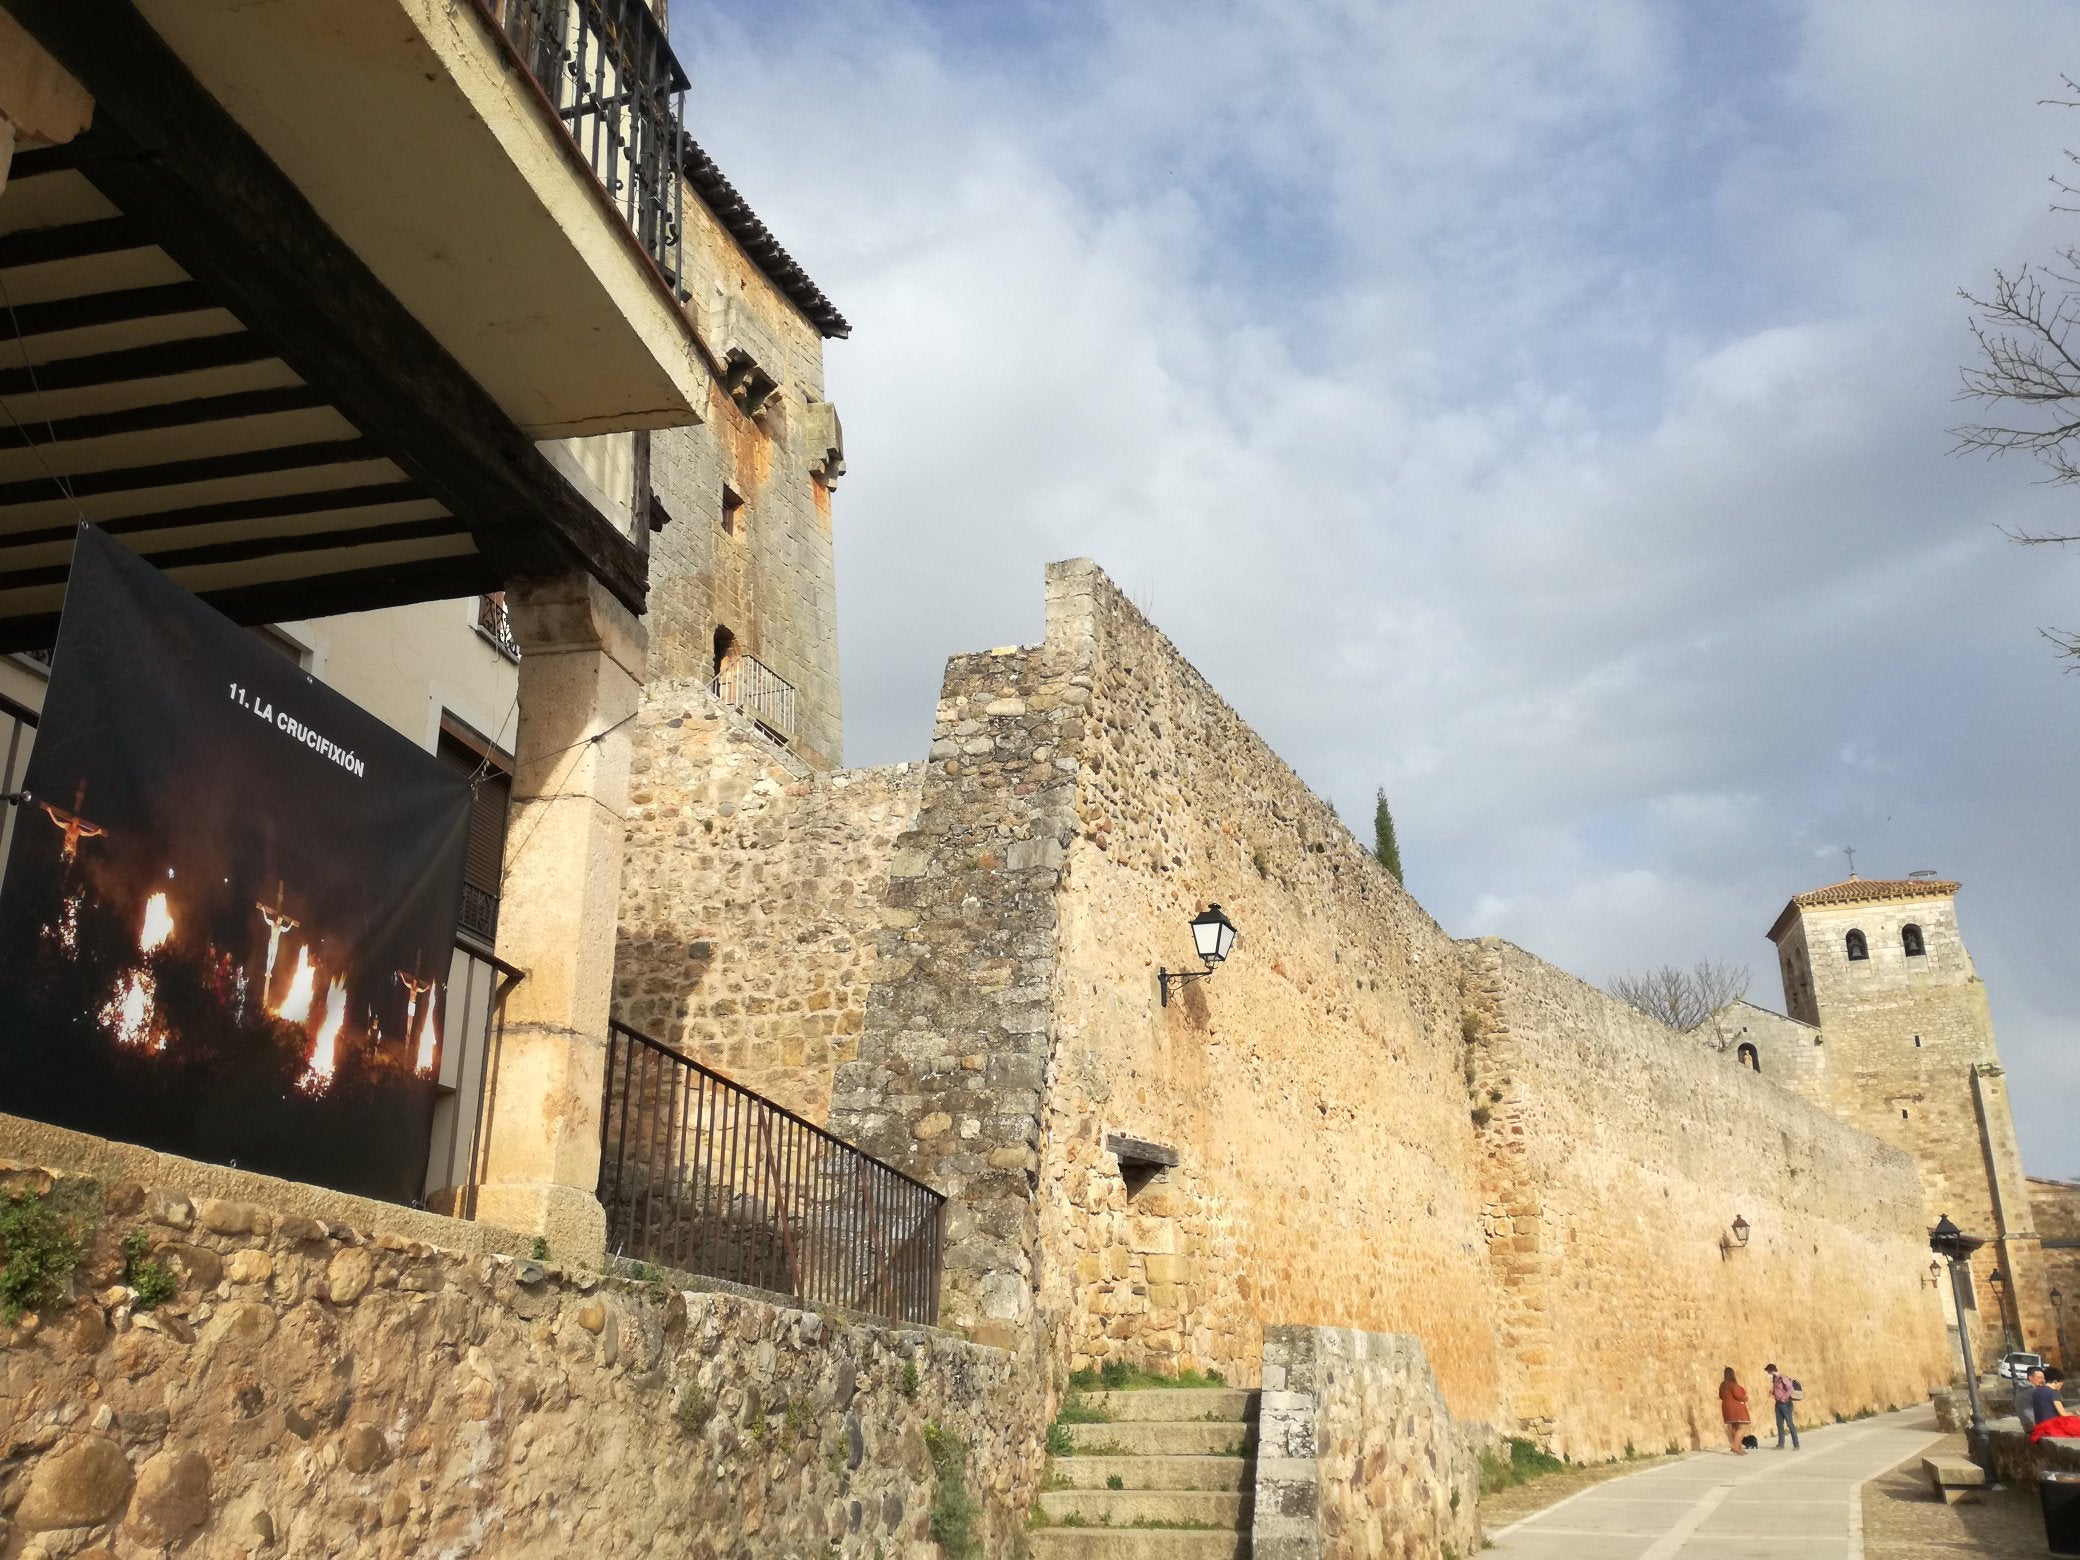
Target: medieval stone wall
(1615,1159)
(752,896)
(1310,1089)
(1357,1456)
(770,578)
(311,1389)
(2055,1205)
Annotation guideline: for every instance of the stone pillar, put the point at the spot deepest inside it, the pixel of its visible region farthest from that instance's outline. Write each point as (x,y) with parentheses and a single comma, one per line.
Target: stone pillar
(581,665)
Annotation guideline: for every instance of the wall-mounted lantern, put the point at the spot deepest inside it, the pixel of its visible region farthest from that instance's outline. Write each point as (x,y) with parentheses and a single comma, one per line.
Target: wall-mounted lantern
(1935,1275)
(1213,934)
(1740,1230)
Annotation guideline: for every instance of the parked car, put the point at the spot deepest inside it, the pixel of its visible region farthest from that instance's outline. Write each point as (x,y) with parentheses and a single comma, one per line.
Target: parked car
(2017,1366)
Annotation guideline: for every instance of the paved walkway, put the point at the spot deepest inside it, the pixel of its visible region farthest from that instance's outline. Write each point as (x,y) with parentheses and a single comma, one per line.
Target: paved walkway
(1769,1505)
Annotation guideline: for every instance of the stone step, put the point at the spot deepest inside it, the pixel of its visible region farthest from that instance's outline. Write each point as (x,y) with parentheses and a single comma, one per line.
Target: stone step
(1152,1473)
(1170,1404)
(1186,1439)
(1127,1508)
(1135,1544)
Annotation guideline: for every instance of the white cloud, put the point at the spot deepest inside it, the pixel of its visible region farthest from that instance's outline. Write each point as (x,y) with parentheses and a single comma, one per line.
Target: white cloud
(1536,408)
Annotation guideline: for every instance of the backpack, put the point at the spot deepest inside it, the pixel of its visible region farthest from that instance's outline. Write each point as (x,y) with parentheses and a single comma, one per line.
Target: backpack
(1798,1391)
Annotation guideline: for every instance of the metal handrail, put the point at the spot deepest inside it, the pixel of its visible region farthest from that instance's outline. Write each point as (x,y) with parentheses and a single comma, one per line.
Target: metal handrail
(750,685)
(699,1173)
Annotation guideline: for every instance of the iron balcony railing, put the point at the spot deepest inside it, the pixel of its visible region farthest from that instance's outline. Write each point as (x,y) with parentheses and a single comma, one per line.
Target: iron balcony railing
(759,691)
(496,624)
(609,73)
(700,1174)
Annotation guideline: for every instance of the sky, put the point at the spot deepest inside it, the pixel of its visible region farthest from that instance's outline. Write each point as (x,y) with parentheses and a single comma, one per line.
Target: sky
(1537,409)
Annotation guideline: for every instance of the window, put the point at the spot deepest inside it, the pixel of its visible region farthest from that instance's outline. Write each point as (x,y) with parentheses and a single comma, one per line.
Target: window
(1141,1164)
(1910,939)
(1749,1058)
(1917,1042)
(732,510)
(490,773)
(1858,948)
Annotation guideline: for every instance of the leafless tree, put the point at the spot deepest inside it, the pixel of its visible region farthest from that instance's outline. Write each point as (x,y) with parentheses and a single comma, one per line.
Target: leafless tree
(2029,366)
(1684,999)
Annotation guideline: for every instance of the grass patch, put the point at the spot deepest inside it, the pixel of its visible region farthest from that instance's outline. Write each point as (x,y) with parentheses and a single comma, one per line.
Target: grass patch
(1520,1462)
(1118,1376)
(43,1243)
(1058,1443)
(1080,1410)
(953,1509)
(151,1282)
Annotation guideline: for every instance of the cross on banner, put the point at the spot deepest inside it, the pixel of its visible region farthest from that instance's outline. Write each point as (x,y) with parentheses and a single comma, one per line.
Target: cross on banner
(73,823)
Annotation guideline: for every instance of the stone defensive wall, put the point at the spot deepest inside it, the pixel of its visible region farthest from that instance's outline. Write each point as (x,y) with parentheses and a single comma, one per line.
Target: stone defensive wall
(308,1387)
(1356,1122)
(2055,1208)
(1615,1158)
(751,896)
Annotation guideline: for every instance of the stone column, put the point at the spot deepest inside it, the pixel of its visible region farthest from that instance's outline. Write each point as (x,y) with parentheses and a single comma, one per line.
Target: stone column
(581,667)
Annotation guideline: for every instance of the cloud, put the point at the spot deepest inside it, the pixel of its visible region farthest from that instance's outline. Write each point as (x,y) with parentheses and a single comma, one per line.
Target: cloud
(1535,408)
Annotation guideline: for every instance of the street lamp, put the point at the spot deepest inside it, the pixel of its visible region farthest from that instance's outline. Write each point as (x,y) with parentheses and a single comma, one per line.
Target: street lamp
(1213,934)
(1999,1281)
(1949,1242)
(1740,1230)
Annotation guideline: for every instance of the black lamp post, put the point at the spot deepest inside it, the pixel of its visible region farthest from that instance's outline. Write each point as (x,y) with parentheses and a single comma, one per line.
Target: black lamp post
(1213,934)
(1999,1281)
(1949,1242)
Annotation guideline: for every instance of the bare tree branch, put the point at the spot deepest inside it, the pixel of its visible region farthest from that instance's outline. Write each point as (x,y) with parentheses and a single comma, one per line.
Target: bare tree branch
(1683,999)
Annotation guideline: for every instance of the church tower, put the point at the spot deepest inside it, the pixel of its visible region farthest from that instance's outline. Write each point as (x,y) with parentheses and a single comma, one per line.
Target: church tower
(1907,1054)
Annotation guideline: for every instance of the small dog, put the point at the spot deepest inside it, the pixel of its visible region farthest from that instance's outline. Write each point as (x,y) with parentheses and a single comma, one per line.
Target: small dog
(1750,1442)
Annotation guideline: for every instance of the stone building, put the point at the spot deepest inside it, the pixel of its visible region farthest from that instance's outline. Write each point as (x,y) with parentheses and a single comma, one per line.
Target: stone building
(1888,1028)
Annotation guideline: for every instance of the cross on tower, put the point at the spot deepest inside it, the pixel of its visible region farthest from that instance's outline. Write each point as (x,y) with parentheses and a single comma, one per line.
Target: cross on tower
(71,821)
(1850,852)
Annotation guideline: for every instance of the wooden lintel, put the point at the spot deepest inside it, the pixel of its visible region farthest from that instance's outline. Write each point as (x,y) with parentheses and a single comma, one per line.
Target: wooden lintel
(166,153)
(1134,1151)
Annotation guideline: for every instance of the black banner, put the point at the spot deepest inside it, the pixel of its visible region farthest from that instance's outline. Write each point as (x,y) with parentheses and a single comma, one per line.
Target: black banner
(228,914)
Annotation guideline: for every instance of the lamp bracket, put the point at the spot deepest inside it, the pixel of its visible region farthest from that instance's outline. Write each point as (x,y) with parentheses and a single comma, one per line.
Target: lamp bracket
(1166,978)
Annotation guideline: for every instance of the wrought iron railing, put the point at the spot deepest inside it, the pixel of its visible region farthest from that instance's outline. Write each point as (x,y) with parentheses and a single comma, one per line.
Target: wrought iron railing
(479,912)
(609,73)
(495,623)
(700,1174)
(759,691)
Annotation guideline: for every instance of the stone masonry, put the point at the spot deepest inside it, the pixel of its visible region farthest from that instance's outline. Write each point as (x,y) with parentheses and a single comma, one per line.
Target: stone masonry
(753,896)
(314,1389)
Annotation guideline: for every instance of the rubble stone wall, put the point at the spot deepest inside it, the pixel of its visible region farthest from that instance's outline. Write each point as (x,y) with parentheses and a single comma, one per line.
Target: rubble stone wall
(311,1389)
(2055,1206)
(752,896)
(1310,1089)
(1357,1455)
(1615,1158)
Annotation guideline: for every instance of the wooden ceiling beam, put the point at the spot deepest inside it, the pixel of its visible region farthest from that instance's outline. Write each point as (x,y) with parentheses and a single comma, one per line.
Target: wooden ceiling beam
(189,413)
(167,153)
(161,360)
(175,473)
(74,241)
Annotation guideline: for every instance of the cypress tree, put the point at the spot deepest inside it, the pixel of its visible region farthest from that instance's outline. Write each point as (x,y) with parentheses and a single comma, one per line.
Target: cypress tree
(1384,848)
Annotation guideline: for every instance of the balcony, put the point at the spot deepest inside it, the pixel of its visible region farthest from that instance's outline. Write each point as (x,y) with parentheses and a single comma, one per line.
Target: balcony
(748,684)
(506,168)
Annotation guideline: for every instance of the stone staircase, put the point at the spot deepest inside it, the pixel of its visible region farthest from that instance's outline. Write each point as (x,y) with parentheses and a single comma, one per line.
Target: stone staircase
(1169,1475)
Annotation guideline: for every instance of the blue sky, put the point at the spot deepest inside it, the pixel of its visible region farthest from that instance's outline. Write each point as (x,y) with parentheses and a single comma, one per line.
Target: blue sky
(1536,408)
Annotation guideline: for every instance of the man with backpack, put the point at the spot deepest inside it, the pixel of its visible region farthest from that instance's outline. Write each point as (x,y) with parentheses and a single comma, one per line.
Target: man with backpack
(1784,1392)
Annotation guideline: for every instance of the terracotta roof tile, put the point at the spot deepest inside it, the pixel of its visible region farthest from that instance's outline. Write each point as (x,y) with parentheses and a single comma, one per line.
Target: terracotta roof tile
(1856,891)
(730,210)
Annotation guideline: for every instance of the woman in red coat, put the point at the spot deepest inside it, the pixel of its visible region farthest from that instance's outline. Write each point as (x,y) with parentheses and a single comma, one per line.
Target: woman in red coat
(1733,1408)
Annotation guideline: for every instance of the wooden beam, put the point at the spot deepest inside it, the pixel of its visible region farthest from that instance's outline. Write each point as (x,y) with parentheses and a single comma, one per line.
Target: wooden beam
(107,308)
(163,414)
(74,241)
(246,549)
(232,220)
(274,507)
(159,361)
(174,473)
(363,590)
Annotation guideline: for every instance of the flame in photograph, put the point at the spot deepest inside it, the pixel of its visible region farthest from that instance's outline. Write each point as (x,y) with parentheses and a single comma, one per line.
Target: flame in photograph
(429,1037)
(158,924)
(131,1015)
(325,1048)
(296,1006)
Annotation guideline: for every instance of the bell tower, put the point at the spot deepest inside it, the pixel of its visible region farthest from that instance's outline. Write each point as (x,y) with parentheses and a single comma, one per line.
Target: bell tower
(1879,966)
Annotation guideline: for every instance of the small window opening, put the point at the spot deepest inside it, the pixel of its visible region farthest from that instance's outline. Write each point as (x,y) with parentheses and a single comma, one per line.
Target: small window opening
(1902,1115)
(725,650)
(1910,939)
(1917,1042)
(1858,948)
(1749,1058)
(1141,1164)
(732,510)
